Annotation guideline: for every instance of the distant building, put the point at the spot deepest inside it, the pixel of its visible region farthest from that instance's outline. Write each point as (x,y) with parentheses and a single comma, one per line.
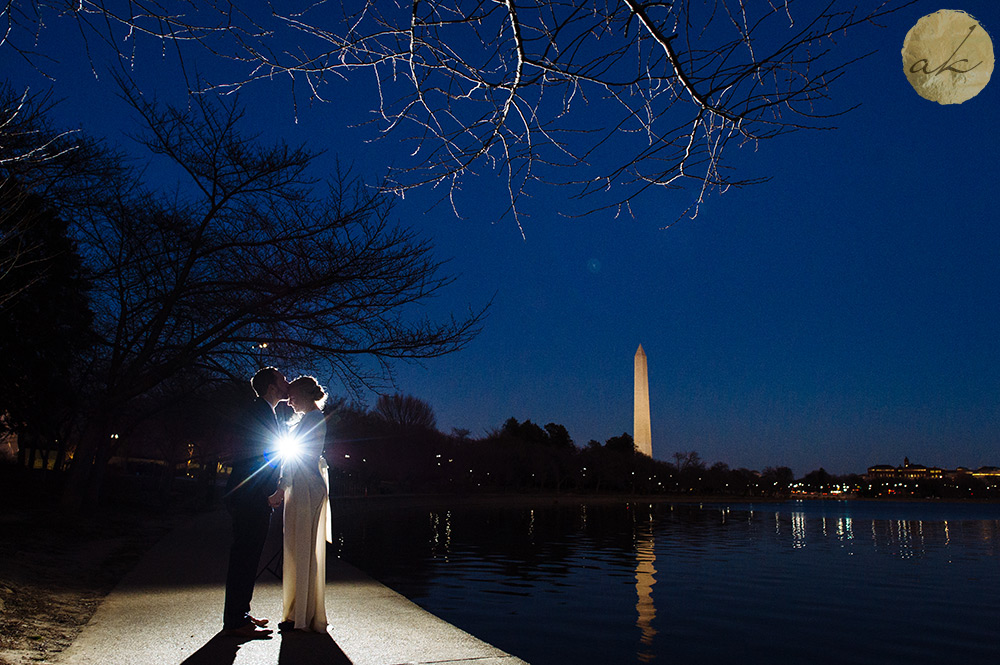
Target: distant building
(920,472)
(906,472)
(985,472)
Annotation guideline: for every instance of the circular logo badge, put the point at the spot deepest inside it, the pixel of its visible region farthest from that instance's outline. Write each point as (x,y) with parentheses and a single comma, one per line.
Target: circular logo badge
(948,57)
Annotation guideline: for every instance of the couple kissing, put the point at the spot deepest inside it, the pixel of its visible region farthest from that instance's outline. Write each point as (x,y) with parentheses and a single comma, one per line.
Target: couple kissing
(261,480)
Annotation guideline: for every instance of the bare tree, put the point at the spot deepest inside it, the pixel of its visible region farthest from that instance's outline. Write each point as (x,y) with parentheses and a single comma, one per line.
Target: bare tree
(405,411)
(26,142)
(43,284)
(21,254)
(612,98)
(249,261)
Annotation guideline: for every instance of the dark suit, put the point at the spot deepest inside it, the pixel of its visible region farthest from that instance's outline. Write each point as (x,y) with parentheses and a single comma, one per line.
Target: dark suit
(253,479)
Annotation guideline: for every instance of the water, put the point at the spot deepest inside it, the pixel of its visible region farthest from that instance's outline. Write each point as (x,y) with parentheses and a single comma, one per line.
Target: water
(797,582)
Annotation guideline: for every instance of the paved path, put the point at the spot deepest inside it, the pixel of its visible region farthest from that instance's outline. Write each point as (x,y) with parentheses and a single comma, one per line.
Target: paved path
(168,611)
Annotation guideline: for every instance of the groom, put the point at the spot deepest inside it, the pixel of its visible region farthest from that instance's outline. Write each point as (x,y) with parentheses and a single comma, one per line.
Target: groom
(252,480)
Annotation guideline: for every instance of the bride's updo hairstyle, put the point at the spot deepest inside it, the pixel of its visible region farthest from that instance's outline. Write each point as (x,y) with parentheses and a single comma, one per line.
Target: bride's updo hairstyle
(309,388)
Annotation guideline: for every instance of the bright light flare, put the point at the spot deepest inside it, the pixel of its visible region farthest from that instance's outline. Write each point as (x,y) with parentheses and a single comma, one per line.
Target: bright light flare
(288,447)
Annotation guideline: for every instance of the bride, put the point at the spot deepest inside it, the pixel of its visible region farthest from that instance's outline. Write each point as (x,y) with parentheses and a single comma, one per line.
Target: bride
(304,488)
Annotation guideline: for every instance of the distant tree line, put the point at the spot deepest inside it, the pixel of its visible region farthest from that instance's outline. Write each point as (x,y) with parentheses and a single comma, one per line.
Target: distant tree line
(395,447)
(372,453)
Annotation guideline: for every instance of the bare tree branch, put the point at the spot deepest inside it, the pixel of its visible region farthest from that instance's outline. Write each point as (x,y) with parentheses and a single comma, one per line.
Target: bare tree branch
(26,143)
(254,263)
(611,98)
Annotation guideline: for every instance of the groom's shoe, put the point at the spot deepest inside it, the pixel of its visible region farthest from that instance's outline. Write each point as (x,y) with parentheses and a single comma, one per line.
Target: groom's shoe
(249,631)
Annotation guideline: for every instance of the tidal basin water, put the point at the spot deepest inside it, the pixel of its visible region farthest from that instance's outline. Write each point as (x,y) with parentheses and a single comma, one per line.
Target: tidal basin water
(728,583)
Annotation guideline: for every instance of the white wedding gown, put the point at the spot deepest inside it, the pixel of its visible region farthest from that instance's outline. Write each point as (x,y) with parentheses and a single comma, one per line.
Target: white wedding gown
(306,526)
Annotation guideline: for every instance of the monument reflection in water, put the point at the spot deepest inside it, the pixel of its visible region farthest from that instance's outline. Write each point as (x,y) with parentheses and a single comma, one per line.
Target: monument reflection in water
(645,571)
(814,582)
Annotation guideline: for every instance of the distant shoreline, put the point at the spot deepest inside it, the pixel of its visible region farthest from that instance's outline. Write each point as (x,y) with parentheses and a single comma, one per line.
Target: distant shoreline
(345,505)
(527,500)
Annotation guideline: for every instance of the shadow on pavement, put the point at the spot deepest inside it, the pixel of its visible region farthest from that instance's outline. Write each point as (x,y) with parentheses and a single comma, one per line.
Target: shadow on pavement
(302,648)
(220,650)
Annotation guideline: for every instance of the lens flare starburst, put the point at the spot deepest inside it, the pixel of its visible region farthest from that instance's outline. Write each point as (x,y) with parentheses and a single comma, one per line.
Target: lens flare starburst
(288,447)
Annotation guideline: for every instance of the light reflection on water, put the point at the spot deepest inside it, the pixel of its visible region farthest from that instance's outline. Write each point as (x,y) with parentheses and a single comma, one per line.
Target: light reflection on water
(645,578)
(813,582)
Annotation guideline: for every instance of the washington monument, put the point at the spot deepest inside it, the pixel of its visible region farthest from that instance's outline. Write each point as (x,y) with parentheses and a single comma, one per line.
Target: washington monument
(642,434)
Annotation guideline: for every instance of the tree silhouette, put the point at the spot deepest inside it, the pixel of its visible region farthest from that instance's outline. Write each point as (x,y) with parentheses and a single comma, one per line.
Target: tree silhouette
(250,261)
(622,444)
(818,480)
(46,322)
(27,145)
(405,411)
(776,480)
(558,436)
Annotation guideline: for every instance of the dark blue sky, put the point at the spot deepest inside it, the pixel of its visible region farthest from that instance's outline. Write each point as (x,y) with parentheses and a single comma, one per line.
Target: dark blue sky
(844,314)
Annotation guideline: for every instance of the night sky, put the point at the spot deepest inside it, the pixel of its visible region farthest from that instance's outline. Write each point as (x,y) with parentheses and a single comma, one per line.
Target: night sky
(841,315)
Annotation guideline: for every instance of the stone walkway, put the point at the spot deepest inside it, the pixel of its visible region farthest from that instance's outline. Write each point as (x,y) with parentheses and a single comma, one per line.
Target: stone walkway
(168,611)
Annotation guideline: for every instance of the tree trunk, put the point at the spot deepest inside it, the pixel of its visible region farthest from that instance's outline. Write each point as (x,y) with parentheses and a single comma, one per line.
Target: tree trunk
(60,454)
(97,472)
(76,480)
(83,484)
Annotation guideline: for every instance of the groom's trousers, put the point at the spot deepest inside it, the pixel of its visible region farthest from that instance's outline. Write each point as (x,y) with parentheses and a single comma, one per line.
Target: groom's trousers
(250,526)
